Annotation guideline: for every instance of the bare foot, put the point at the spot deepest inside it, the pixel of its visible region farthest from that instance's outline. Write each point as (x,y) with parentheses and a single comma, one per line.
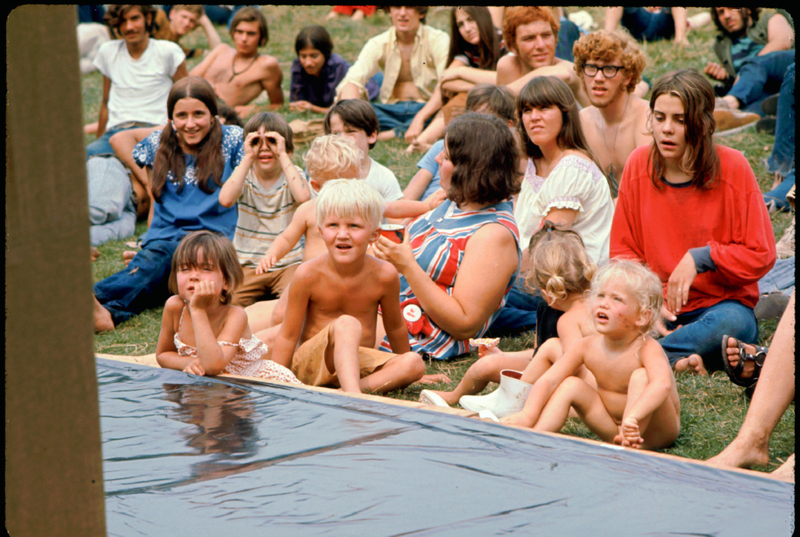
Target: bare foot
(741,454)
(691,364)
(127,255)
(733,357)
(102,318)
(447,396)
(386,135)
(786,470)
(418,147)
(95,253)
(433,379)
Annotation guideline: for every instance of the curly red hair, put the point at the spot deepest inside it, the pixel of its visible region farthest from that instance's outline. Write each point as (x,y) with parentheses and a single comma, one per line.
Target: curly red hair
(518,15)
(607,46)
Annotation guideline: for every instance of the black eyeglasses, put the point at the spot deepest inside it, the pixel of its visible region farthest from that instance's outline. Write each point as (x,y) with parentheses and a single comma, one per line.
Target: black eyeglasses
(609,71)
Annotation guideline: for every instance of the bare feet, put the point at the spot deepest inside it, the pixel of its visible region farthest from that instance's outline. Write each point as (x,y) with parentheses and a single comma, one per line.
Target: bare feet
(741,454)
(436,378)
(691,364)
(733,357)
(786,470)
(102,318)
(418,147)
(127,255)
(95,253)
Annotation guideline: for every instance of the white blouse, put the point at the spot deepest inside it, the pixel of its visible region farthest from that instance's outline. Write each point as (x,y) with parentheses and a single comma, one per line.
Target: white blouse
(575,183)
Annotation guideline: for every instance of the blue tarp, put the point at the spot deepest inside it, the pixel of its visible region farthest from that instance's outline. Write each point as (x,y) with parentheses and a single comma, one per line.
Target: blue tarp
(187,455)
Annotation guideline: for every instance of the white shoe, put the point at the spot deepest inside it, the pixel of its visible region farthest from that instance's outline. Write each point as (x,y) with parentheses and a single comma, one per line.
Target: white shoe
(432,398)
(506,400)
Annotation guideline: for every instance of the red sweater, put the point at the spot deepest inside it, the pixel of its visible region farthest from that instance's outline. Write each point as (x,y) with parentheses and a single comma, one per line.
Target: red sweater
(658,226)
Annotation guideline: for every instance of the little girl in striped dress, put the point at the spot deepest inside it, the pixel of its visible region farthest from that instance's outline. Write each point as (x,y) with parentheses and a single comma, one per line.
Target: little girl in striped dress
(216,337)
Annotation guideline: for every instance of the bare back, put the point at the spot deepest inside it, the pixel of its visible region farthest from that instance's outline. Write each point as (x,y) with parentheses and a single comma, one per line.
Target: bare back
(238,84)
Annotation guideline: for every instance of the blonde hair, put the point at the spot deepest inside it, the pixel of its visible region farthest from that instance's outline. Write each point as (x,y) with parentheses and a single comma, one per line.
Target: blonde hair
(642,283)
(333,157)
(558,264)
(347,198)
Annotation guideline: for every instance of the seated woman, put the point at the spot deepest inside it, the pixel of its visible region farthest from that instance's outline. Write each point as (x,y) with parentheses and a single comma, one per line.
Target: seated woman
(186,164)
(317,71)
(693,212)
(448,252)
(475,47)
(562,183)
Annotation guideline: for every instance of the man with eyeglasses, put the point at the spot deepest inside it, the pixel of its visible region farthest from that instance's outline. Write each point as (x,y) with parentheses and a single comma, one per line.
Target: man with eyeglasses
(610,67)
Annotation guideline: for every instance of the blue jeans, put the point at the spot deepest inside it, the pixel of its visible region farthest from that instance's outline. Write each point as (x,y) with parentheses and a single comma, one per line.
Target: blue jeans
(102,146)
(782,158)
(780,279)
(519,313)
(703,329)
(396,117)
(778,194)
(142,285)
(760,77)
(112,212)
(646,26)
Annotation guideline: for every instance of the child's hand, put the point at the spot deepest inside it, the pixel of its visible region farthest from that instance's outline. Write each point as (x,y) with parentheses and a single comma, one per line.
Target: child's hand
(299,106)
(205,293)
(436,199)
(630,433)
(275,143)
(265,264)
(486,350)
(195,368)
(252,145)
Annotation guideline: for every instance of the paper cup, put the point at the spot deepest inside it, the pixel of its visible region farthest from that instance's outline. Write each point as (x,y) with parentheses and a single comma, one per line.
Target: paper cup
(393,232)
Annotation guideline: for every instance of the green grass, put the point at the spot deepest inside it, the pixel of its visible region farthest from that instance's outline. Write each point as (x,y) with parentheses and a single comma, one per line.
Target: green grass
(712,407)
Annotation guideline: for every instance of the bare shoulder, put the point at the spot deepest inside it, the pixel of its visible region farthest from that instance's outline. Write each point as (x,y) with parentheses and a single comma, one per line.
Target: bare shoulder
(652,350)
(174,304)
(385,270)
(508,69)
(269,65)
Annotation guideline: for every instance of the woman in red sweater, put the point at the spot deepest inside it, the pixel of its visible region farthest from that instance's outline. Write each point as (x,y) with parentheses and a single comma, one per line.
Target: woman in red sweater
(692,211)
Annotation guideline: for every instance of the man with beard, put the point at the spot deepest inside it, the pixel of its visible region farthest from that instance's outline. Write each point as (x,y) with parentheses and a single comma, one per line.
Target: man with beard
(610,67)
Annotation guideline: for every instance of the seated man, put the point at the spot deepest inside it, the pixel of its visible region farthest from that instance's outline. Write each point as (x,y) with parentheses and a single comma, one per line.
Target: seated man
(183,19)
(530,34)
(412,56)
(754,52)
(650,24)
(610,67)
(239,75)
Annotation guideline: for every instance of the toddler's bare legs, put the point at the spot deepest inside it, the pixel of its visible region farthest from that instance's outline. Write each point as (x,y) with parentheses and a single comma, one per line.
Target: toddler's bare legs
(659,429)
(577,393)
(399,372)
(548,353)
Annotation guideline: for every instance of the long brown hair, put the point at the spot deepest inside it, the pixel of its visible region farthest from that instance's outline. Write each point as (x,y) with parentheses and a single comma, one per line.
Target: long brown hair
(544,91)
(487,50)
(209,163)
(700,159)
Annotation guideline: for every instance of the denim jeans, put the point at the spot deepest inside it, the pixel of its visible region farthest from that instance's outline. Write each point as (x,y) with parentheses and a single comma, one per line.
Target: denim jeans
(778,194)
(102,146)
(646,26)
(760,77)
(396,117)
(782,158)
(142,285)
(112,212)
(519,313)
(780,279)
(703,329)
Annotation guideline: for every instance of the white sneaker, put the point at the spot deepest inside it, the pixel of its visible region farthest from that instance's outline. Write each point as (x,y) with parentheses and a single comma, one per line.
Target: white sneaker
(506,400)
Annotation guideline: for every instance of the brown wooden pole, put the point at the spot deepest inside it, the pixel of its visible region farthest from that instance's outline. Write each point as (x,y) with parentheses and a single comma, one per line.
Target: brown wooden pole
(54,474)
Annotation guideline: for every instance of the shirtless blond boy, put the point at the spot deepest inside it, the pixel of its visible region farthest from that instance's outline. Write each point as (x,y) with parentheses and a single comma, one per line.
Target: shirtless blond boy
(239,75)
(332,311)
(636,401)
(531,33)
(610,67)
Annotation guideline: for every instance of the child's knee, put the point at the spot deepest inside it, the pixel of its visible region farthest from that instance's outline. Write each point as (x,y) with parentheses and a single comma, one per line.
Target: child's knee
(413,364)
(346,324)
(488,366)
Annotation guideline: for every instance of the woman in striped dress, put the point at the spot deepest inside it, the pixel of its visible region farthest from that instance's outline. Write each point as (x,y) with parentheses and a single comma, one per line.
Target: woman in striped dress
(458,261)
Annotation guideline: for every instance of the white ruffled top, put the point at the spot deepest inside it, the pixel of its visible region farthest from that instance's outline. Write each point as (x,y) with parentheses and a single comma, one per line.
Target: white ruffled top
(575,183)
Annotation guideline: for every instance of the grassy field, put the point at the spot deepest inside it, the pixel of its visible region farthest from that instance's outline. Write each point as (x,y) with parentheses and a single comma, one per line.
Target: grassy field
(712,407)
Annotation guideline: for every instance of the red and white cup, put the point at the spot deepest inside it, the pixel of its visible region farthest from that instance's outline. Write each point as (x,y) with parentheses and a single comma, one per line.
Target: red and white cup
(393,232)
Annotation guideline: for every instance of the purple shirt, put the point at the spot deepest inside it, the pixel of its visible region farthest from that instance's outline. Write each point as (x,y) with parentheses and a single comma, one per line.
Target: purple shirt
(321,90)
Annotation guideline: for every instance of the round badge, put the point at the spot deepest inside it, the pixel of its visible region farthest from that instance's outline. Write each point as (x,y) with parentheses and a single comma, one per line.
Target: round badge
(412,313)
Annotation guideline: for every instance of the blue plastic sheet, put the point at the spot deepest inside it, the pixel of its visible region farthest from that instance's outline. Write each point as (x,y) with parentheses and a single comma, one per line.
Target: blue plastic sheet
(186,455)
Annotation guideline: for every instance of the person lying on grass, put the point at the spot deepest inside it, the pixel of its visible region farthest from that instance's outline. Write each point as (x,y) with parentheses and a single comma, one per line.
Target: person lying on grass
(561,270)
(329,329)
(636,401)
(201,333)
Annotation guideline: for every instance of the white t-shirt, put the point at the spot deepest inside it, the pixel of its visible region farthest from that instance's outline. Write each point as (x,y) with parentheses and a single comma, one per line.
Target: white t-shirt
(139,88)
(384,181)
(575,183)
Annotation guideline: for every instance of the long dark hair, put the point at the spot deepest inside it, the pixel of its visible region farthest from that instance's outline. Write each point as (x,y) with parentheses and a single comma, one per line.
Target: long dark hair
(315,37)
(544,91)
(487,50)
(209,163)
(700,160)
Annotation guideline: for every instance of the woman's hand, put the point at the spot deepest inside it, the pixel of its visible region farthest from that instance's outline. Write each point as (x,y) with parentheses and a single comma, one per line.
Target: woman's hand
(661,326)
(205,293)
(679,283)
(299,106)
(399,255)
(195,368)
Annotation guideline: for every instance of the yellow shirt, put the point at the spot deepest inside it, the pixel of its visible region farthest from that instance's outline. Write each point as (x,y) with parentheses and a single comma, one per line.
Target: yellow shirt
(428,61)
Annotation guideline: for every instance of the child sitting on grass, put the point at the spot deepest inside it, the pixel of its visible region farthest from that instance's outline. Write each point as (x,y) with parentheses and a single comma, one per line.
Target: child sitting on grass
(332,309)
(560,269)
(201,333)
(636,401)
(268,189)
